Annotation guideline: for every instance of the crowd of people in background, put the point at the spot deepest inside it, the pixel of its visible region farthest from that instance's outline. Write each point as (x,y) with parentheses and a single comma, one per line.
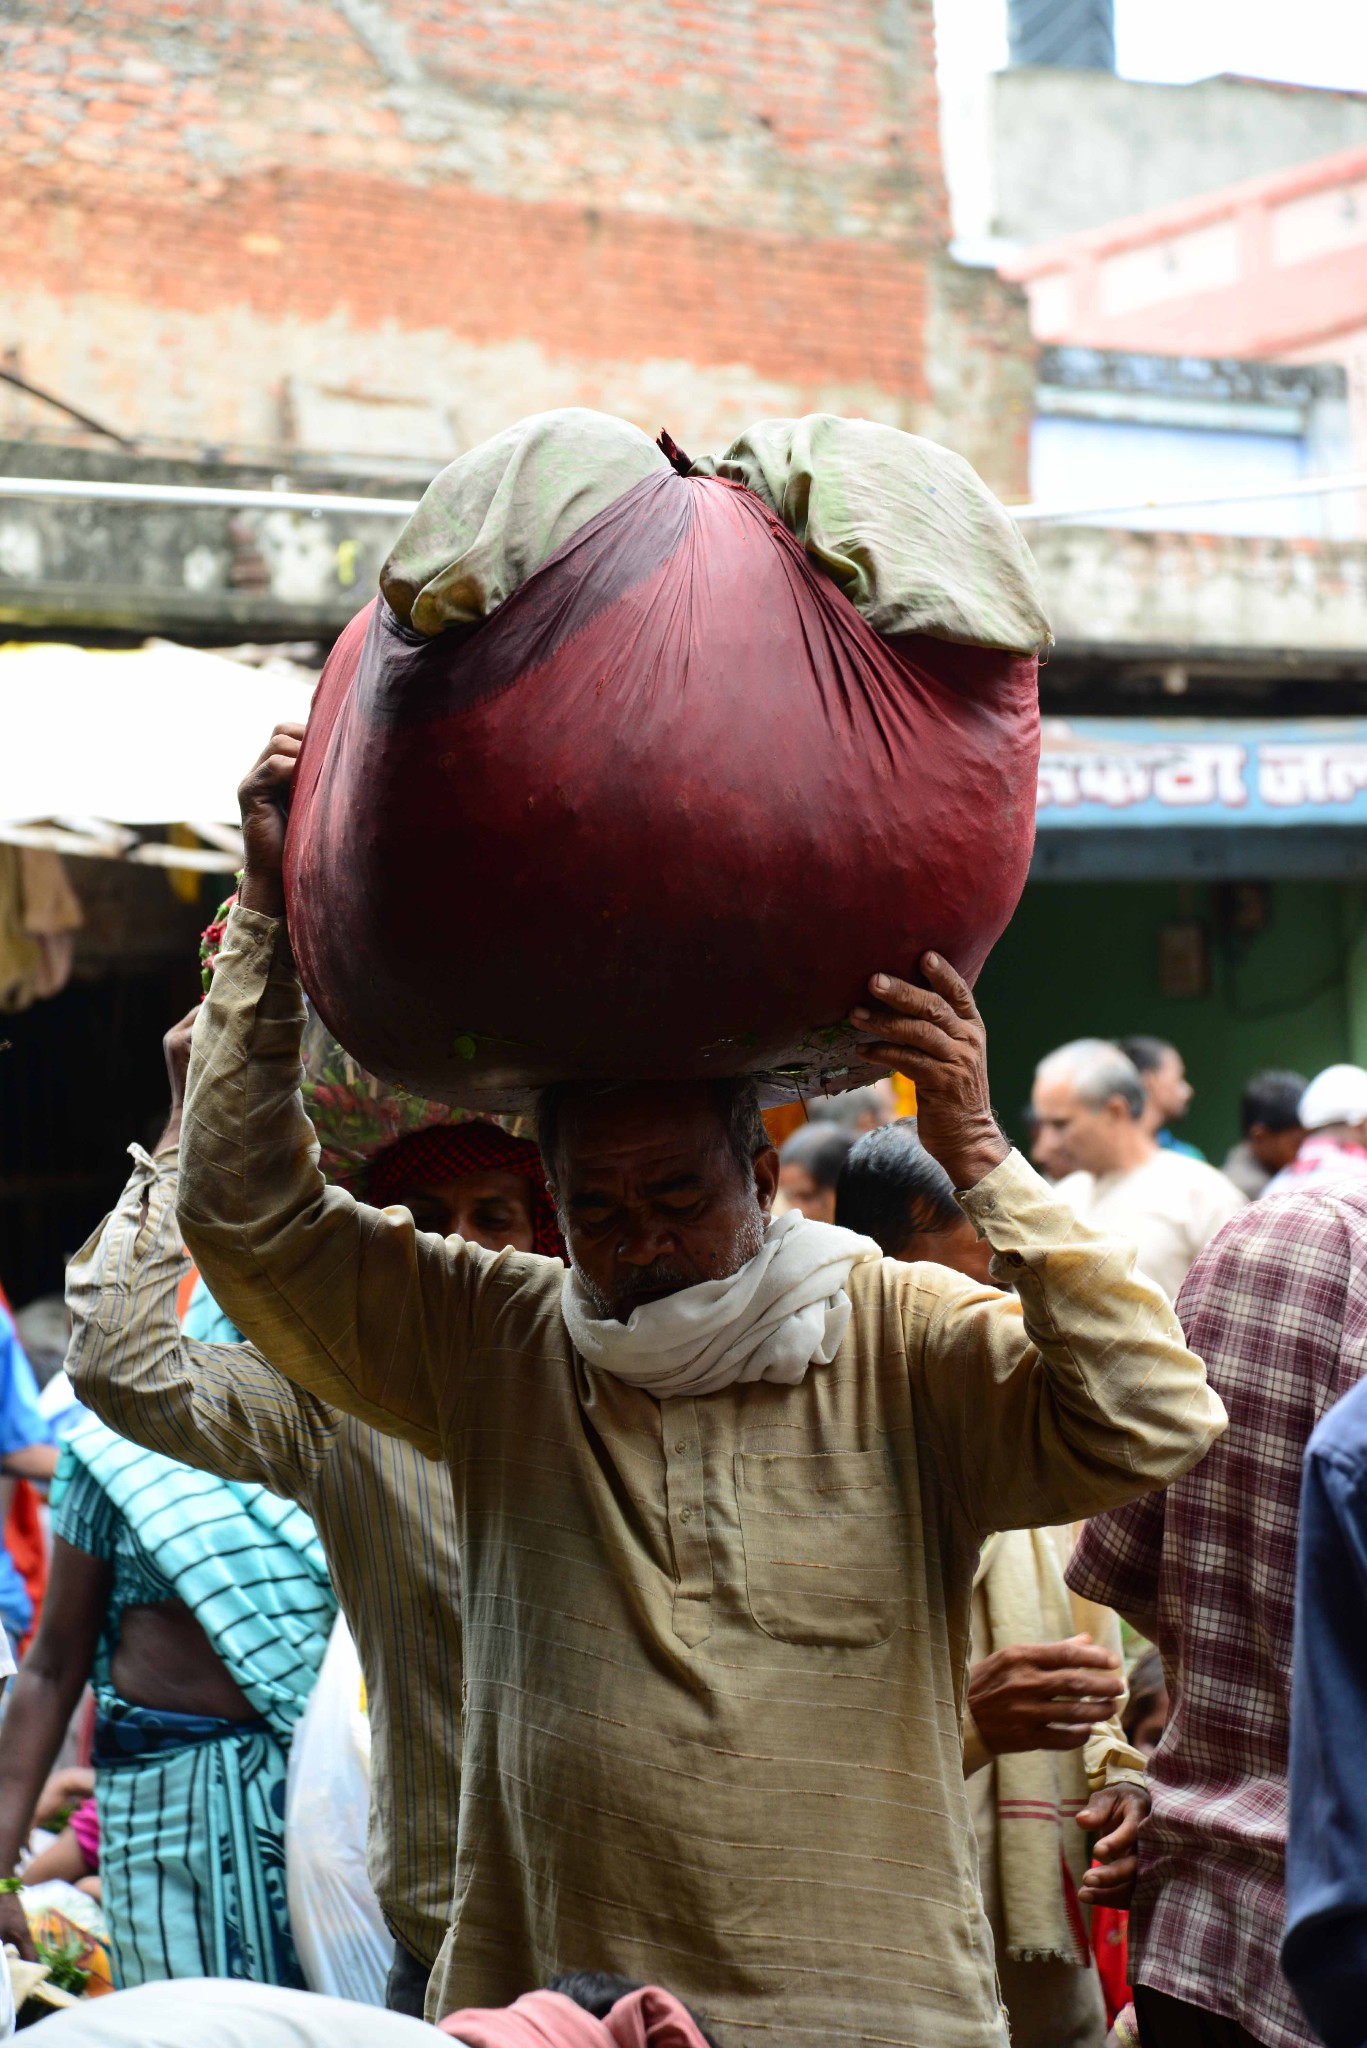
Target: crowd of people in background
(1225,1656)
(1157,1757)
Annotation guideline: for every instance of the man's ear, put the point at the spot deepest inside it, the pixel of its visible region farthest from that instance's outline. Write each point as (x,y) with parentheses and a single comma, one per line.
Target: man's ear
(766,1178)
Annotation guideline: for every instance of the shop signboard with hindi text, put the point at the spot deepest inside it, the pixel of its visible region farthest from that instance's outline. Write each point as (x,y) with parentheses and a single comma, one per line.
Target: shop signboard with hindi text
(1097,772)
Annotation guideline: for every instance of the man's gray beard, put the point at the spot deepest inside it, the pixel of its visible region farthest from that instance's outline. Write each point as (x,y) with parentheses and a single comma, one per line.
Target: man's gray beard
(747,1241)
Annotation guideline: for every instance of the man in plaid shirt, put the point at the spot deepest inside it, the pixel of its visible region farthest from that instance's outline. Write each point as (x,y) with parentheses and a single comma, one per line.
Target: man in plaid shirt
(1277,1307)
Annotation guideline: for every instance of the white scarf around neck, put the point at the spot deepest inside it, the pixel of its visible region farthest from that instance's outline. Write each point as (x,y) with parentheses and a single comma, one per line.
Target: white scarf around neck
(784,1310)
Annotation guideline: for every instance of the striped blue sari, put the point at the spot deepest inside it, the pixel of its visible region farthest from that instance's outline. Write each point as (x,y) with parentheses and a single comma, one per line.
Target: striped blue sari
(192,1807)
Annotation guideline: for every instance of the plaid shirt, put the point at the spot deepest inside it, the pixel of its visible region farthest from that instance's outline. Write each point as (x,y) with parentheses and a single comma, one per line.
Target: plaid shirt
(1277,1307)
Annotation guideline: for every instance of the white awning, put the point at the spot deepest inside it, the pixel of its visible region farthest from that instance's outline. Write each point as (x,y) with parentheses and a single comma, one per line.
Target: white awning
(93,739)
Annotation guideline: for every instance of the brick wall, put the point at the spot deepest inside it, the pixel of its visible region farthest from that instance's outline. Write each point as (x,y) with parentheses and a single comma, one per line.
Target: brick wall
(391,226)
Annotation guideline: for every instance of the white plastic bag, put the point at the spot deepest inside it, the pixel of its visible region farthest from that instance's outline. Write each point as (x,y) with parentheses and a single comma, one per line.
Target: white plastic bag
(344,1947)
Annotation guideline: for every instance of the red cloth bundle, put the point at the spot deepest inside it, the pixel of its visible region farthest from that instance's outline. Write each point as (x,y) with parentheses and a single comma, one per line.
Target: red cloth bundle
(659,815)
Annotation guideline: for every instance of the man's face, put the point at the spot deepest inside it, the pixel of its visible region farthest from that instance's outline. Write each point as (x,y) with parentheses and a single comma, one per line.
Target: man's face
(1274,1149)
(488,1207)
(1170,1091)
(1071,1136)
(1148,1731)
(651,1197)
(800,1191)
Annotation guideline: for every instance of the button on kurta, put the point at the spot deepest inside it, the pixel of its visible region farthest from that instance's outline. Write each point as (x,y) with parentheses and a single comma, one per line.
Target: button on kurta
(686,1504)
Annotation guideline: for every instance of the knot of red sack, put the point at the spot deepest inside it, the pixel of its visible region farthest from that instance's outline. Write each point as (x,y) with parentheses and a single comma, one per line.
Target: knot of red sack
(673,453)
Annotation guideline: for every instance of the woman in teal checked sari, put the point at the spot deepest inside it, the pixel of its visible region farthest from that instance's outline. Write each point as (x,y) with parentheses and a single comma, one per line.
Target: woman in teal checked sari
(199,1609)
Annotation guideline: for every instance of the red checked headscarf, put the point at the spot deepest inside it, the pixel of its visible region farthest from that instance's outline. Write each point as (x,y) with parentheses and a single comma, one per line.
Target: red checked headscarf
(648,2018)
(445,1152)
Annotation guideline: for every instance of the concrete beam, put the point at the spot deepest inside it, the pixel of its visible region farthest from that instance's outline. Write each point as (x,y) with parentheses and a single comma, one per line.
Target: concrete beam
(1205,597)
(1116,597)
(197,574)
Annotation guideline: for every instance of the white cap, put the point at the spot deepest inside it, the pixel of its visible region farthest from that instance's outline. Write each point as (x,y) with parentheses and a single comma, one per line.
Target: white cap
(1337,1096)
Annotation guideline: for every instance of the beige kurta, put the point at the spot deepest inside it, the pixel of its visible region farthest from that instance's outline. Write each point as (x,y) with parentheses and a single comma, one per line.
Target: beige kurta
(1170,1208)
(715,1649)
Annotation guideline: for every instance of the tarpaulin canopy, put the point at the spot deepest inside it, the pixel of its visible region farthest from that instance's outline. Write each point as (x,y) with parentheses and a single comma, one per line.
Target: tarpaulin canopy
(152,735)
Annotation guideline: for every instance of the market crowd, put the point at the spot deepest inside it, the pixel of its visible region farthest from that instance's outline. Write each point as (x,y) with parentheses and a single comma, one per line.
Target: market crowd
(630,1582)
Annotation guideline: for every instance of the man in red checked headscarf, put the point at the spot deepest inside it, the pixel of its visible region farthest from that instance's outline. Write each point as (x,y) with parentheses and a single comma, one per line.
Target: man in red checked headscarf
(384,1513)
(470,1180)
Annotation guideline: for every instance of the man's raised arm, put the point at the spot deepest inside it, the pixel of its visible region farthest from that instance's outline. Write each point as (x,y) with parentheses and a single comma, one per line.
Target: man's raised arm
(218,1406)
(352,1304)
(1077,1392)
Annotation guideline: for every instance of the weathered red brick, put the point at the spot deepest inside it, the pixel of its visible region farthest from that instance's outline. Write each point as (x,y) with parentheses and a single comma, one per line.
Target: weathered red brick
(679,182)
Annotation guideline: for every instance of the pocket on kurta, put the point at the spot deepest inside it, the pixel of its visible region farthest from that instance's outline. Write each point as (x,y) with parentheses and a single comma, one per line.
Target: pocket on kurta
(823,1539)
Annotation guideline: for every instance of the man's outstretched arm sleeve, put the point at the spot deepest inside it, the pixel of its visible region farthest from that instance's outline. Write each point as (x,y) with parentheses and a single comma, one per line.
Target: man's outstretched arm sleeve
(217,1406)
(1075,1393)
(352,1304)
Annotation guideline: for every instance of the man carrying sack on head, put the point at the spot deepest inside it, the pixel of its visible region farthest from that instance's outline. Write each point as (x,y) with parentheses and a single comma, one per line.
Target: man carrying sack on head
(720,1490)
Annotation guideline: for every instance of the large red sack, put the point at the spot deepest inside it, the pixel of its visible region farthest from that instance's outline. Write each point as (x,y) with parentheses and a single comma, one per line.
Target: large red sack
(660,815)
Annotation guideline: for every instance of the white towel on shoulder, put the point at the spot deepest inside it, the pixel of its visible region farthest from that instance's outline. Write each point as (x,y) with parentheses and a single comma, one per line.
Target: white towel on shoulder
(784,1310)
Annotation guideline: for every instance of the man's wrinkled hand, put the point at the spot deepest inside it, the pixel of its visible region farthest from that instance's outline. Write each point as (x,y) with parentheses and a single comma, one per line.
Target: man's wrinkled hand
(935,1036)
(263,797)
(1043,1695)
(1119,1811)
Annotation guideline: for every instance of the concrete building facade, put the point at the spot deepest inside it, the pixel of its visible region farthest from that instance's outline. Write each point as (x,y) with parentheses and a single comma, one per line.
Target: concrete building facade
(1072,150)
(1116,428)
(1274,266)
(386,228)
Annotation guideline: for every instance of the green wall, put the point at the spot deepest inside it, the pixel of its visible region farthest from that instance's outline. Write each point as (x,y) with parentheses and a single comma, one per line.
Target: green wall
(1080,959)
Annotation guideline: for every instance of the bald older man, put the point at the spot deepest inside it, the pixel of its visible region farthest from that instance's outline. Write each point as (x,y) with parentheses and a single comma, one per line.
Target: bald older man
(720,1489)
(1093,1136)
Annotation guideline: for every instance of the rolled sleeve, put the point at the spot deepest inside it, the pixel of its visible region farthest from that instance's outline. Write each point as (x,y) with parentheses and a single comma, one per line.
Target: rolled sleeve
(1110,1758)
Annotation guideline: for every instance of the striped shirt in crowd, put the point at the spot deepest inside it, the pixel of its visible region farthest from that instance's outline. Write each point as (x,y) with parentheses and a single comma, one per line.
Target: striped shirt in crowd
(383,1513)
(715,1648)
(1277,1307)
